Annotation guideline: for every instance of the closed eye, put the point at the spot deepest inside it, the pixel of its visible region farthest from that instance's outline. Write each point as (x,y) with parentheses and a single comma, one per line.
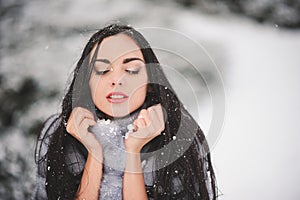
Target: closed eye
(101,72)
(132,71)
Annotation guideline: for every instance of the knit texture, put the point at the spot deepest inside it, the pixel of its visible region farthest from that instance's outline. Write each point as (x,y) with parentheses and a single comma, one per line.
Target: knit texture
(111,135)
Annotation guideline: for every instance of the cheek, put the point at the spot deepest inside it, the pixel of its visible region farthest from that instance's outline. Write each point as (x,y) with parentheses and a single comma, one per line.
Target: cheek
(141,92)
(138,85)
(138,97)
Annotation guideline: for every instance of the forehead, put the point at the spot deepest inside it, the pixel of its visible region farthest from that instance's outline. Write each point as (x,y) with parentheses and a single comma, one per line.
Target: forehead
(118,45)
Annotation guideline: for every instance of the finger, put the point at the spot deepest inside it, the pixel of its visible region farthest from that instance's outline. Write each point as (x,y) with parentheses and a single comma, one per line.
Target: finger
(158,115)
(81,113)
(145,115)
(82,128)
(77,115)
(140,122)
(86,123)
(90,122)
(135,124)
(82,118)
(86,112)
(155,125)
(142,133)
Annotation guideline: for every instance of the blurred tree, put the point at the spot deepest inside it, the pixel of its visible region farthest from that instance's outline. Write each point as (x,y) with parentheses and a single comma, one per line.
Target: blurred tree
(281,12)
(16,148)
(16,100)
(285,13)
(187,3)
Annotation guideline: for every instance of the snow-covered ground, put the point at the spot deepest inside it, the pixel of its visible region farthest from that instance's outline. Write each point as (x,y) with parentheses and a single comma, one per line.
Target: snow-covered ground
(255,155)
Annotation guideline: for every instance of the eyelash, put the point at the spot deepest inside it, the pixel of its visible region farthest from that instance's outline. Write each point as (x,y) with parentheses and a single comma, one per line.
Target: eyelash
(102,72)
(132,72)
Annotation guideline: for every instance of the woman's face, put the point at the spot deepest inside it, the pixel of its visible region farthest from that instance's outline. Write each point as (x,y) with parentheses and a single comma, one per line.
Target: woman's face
(119,78)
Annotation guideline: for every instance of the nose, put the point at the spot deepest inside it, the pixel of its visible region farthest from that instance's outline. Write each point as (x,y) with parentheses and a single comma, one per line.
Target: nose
(117,78)
(114,83)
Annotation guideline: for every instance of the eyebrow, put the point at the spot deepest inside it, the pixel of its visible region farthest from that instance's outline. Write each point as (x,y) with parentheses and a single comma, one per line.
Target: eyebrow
(103,60)
(126,60)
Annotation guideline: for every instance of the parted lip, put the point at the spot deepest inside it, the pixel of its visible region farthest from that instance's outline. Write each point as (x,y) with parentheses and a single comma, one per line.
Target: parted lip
(110,95)
(116,97)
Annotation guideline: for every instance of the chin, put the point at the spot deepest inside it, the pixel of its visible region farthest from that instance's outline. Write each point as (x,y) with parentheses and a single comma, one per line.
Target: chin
(118,113)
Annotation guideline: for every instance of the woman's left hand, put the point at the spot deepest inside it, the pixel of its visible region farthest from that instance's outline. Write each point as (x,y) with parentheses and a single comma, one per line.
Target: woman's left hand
(149,124)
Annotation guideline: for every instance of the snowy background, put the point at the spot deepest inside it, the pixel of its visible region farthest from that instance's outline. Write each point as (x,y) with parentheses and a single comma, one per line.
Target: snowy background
(254,44)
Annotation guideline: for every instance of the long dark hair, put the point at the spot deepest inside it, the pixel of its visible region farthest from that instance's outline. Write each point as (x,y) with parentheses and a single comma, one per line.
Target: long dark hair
(181,151)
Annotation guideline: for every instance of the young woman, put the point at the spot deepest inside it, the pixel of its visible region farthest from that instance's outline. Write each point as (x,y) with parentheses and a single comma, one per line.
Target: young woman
(122,132)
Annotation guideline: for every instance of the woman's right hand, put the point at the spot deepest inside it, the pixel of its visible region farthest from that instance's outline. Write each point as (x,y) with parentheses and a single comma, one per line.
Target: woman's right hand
(78,124)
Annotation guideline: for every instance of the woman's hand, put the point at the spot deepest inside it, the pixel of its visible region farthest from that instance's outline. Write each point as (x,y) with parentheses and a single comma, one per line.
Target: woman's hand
(77,125)
(149,124)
